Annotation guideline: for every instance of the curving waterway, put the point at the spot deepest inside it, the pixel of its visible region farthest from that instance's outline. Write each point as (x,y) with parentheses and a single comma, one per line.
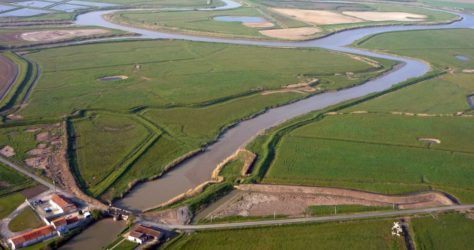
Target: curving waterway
(198,169)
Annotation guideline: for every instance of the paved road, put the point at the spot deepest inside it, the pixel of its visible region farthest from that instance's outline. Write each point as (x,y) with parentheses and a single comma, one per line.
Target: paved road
(40,180)
(346,217)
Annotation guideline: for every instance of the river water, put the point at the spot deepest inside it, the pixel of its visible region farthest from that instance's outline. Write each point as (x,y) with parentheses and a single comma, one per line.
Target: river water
(198,169)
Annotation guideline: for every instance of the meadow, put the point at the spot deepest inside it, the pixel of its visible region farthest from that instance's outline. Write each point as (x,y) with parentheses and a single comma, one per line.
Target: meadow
(11,183)
(96,160)
(380,153)
(441,95)
(448,231)
(8,203)
(26,219)
(178,73)
(347,235)
(19,139)
(193,21)
(439,47)
(202,23)
(175,99)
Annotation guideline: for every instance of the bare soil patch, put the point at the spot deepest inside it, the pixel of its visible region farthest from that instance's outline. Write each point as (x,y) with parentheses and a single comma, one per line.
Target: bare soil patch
(259,25)
(264,200)
(57,35)
(291,33)
(429,140)
(468,71)
(33,191)
(7,151)
(10,37)
(302,87)
(378,16)
(180,215)
(320,17)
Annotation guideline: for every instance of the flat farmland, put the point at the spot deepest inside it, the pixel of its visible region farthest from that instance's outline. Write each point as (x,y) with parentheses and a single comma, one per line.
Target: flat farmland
(282,20)
(169,87)
(449,231)
(379,153)
(446,94)
(102,141)
(172,73)
(347,235)
(442,95)
(203,23)
(441,48)
(11,183)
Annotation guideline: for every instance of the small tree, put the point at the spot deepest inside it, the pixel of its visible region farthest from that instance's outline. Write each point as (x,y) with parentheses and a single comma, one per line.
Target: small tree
(96,214)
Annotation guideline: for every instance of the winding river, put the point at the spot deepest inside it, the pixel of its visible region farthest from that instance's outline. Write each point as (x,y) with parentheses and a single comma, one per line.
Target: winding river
(197,170)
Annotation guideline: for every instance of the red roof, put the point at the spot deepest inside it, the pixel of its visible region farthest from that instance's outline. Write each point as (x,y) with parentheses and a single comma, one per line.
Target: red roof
(63,202)
(147,231)
(59,222)
(72,220)
(65,221)
(33,234)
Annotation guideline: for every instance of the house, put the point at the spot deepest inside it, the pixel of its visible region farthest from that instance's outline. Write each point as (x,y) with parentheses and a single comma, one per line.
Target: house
(64,204)
(137,237)
(64,224)
(140,234)
(32,237)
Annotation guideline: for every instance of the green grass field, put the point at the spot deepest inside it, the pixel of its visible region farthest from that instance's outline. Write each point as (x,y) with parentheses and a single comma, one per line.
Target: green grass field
(341,209)
(449,231)
(348,235)
(8,203)
(379,153)
(11,181)
(126,245)
(445,94)
(19,139)
(200,22)
(442,95)
(439,47)
(458,4)
(183,94)
(26,219)
(100,139)
(178,73)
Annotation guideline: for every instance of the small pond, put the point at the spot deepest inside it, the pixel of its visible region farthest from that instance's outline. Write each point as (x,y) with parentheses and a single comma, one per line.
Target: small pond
(24,12)
(240,19)
(113,78)
(462,58)
(92,4)
(5,8)
(34,4)
(68,7)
